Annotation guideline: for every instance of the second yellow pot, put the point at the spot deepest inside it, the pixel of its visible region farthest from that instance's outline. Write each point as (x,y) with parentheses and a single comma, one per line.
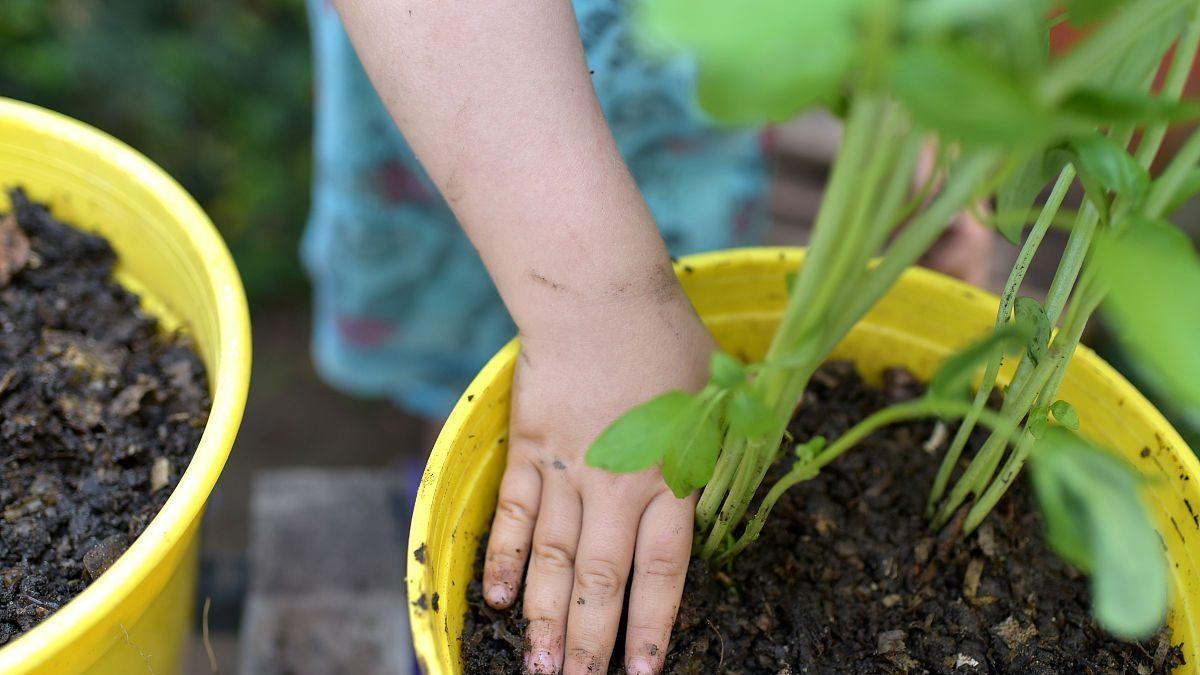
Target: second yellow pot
(741,295)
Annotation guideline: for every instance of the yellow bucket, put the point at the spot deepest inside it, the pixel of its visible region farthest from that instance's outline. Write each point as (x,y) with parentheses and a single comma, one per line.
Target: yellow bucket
(137,616)
(741,295)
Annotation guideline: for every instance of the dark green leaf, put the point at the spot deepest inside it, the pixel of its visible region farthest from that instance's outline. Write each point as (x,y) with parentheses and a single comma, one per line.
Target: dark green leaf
(1086,11)
(689,461)
(758,59)
(967,97)
(1031,315)
(748,416)
(953,380)
(1105,106)
(640,437)
(789,281)
(1096,520)
(1065,414)
(1154,303)
(726,371)
(1105,160)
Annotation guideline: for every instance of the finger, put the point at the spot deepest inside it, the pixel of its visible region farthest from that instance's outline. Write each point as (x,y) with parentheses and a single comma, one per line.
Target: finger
(601,570)
(664,544)
(551,573)
(512,531)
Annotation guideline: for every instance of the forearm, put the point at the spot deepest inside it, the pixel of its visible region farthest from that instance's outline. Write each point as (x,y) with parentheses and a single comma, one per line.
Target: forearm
(495,98)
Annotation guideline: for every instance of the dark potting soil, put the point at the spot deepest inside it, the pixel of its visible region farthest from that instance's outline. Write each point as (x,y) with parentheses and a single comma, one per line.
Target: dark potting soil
(847,578)
(99,414)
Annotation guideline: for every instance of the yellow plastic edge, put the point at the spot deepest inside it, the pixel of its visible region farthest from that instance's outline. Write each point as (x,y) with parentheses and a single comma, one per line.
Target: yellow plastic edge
(741,294)
(91,176)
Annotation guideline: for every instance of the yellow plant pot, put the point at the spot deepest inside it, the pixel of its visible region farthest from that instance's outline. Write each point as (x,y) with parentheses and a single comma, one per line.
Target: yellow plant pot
(741,295)
(137,616)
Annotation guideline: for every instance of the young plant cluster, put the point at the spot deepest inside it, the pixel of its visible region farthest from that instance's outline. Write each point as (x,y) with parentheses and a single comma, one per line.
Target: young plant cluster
(1009,121)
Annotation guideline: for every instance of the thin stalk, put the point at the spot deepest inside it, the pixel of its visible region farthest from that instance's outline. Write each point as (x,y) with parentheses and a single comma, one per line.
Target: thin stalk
(1164,189)
(916,238)
(1172,89)
(1125,28)
(1090,298)
(898,413)
(1015,278)
(983,465)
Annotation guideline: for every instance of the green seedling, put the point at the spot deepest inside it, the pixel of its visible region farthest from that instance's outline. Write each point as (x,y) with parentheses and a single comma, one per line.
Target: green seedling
(976,81)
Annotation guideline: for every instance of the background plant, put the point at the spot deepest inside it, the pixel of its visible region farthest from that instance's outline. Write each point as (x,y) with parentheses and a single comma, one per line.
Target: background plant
(975,80)
(218,93)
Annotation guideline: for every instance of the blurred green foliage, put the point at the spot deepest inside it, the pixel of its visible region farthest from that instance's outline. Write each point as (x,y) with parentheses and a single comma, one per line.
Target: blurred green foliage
(218,92)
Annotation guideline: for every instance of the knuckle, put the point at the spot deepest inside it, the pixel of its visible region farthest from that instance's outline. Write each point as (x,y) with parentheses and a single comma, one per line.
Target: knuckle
(599,578)
(515,511)
(661,568)
(553,555)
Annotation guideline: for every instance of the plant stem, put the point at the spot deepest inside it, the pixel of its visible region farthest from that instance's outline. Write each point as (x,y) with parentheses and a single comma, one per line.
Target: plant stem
(1164,189)
(800,472)
(1110,40)
(1173,85)
(1090,298)
(1015,278)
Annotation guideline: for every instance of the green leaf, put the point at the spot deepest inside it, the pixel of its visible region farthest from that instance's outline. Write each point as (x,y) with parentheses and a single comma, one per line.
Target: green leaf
(808,450)
(1065,414)
(690,459)
(789,281)
(1096,520)
(726,371)
(639,438)
(1031,315)
(1107,106)
(1038,422)
(748,415)
(758,59)
(1105,160)
(966,97)
(953,380)
(1016,195)
(1154,273)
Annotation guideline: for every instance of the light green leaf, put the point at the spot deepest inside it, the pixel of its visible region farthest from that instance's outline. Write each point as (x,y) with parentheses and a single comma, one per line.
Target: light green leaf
(1031,315)
(1065,414)
(758,59)
(953,379)
(1154,303)
(638,439)
(808,450)
(690,459)
(1038,422)
(748,415)
(1188,189)
(726,371)
(1096,520)
(967,97)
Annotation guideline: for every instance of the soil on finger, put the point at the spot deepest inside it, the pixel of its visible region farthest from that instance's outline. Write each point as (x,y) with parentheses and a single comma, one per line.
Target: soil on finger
(847,578)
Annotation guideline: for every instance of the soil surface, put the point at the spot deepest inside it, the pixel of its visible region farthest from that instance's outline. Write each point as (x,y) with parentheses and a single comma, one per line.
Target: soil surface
(847,578)
(99,414)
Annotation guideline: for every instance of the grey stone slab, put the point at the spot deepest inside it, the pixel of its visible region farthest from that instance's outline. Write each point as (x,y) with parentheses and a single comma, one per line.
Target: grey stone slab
(317,529)
(327,634)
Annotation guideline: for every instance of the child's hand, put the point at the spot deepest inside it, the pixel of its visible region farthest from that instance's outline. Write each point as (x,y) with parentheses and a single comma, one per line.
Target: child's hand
(579,527)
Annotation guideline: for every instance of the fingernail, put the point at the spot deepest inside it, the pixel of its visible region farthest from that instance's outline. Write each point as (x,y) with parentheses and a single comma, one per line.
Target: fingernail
(541,663)
(498,595)
(639,665)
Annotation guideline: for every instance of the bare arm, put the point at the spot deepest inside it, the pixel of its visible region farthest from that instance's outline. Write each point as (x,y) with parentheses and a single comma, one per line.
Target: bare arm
(495,98)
